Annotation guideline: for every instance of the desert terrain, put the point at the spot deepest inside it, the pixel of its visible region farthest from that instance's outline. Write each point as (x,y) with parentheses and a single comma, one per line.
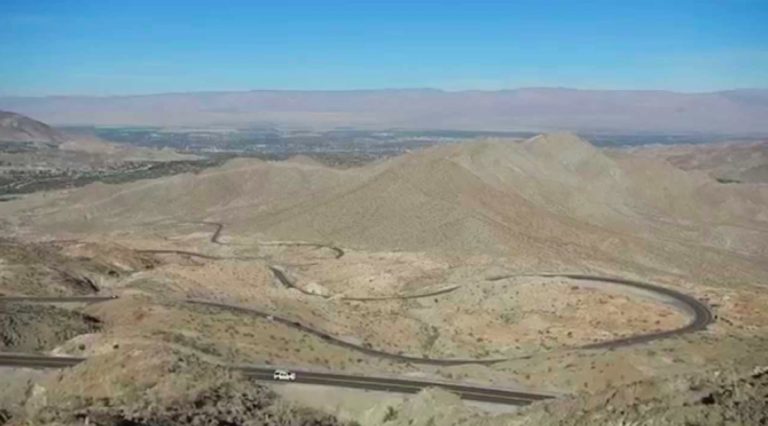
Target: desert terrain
(728,162)
(494,262)
(383,213)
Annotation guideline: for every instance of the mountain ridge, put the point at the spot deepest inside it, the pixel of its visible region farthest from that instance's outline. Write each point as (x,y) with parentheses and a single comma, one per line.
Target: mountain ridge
(743,111)
(552,195)
(405,89)
(19,128)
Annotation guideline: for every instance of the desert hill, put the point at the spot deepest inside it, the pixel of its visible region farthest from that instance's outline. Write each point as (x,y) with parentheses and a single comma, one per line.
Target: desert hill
(53,146)
(18,128)
(554,196)
(729,162)
(240,185)
(435,253)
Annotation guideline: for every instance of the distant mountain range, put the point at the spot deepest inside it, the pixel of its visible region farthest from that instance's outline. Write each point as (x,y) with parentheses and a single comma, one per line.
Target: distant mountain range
(18,128)
(533,109)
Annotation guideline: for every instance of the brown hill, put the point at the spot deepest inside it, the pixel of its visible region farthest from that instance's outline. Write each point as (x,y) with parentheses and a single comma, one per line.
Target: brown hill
(553,198)
(730,162)
(240,187)
(18,128)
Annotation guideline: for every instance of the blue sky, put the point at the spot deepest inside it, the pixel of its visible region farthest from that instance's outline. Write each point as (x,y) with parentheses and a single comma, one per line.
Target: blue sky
(128,47)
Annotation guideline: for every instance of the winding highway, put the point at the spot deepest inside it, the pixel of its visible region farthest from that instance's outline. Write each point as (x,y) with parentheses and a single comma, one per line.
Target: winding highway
(701,317)
(699,313)
(216,239)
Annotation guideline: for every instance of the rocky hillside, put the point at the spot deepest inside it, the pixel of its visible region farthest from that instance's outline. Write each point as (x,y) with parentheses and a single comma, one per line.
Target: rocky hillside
(554,196)
(155,386)
(18,128)
(721,398)
(730,162)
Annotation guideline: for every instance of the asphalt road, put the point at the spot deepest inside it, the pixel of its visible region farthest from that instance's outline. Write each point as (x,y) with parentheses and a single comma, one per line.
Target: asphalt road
(285,281)
(37,361)
(342,343)
(67,299)
(215,239)
(700,314)
(198,255)
(338,251)
(384,384)
(217,232)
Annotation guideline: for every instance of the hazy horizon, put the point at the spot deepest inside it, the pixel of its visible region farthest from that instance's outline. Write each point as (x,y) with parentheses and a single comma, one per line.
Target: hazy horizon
(731,112)
(383,89)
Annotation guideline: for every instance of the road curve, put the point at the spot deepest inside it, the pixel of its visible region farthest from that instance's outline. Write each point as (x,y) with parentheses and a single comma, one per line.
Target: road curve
(217,232)
(216,239)
(701,315)
(339,342)
(699,312)
(338,251)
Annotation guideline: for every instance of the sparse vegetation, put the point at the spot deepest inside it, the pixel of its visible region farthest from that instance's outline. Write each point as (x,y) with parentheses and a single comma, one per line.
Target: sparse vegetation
(530,320)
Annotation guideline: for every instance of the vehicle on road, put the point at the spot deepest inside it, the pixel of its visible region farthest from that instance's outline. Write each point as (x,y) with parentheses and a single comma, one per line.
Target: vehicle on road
(284,375)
